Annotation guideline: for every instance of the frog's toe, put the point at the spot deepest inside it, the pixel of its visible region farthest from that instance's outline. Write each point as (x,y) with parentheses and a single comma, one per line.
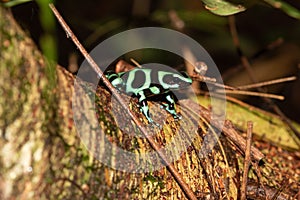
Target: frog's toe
(177,116)
(164,106)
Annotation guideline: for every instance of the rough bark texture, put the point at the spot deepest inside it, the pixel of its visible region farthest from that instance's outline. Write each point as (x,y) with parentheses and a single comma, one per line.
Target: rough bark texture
(42,157)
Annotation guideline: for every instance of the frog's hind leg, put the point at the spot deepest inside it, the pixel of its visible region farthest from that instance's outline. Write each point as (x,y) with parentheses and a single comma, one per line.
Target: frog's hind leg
(144,105)
(170,105)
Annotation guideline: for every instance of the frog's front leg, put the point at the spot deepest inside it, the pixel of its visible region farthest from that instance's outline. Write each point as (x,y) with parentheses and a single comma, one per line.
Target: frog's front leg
(144,105)
(115,79)
(170,105)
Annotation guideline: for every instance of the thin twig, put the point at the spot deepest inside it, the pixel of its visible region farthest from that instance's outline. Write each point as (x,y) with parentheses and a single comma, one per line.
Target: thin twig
(247,160)
(249,93)
(234,136)
(247,66)
(189,193)
(200,78)
(241,89)
(135,62)
(265,83)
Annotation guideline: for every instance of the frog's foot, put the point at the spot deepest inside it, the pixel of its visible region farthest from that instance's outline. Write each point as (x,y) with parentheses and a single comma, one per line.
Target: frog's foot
(171,110)
(177,116)
(165,106)
(150,120)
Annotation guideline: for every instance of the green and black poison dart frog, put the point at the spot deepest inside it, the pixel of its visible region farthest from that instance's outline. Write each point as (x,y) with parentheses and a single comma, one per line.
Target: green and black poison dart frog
(146,83)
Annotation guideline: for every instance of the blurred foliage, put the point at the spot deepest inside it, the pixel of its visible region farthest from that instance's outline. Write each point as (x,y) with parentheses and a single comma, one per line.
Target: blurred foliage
(96,19)
(13,2)
(230,7)
(196,20)
(47,40)
(285,7)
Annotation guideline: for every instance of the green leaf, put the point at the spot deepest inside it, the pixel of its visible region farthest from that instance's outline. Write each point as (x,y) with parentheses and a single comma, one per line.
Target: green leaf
(285,7)
(224,7)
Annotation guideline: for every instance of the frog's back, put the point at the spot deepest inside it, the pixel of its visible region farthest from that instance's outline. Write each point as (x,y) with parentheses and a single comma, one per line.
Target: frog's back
(136,80)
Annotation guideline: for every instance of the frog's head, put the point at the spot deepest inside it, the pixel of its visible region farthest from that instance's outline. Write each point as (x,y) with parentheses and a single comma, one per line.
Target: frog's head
(170,80)
(114,78)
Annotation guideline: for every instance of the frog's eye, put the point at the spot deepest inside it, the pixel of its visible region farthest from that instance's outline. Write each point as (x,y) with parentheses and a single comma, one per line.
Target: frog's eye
(177,80)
